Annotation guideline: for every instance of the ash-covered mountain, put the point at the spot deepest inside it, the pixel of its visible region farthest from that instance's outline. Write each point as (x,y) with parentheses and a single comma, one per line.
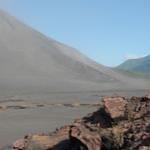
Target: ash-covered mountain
(32,63)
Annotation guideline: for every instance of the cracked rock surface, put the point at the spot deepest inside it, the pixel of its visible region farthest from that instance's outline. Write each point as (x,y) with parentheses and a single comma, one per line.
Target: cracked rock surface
(119,124)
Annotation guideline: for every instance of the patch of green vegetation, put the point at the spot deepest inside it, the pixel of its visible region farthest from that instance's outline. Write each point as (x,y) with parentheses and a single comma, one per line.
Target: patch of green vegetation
(133,73)
(140,65)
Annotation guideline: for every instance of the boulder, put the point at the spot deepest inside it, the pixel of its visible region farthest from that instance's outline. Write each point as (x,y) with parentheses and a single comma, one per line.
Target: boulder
(147,96)
(115,107)
(89,138)
(20,144)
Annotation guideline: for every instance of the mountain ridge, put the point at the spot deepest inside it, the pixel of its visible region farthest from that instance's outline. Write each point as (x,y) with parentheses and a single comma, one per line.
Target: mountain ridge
(141,65)
(31,62)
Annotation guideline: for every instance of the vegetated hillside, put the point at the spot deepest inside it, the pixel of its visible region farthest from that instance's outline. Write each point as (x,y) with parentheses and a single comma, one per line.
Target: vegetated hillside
(141,65)
(32,63)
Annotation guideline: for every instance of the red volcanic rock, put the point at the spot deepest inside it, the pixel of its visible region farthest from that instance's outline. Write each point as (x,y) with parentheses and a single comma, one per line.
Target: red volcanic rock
(44,141)
(147,96)
(138,108)
(91,139)
(137,135)
(144,148)
(20,144)
(115,107)
(119,124)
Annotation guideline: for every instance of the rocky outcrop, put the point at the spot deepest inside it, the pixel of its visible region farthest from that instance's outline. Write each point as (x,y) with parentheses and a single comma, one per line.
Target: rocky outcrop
(115,107)
(119,124)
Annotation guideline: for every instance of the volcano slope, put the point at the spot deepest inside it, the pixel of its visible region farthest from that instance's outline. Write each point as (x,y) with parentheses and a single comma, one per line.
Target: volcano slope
(32,64)
(37,69)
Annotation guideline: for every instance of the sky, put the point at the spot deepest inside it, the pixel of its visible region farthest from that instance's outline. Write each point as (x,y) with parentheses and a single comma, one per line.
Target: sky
(108,31)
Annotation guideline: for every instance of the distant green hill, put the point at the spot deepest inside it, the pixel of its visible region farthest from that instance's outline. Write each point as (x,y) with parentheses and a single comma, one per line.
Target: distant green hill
(140,65)
(133,73)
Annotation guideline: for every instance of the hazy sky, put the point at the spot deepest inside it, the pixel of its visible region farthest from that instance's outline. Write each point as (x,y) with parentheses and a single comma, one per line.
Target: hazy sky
(109,31)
